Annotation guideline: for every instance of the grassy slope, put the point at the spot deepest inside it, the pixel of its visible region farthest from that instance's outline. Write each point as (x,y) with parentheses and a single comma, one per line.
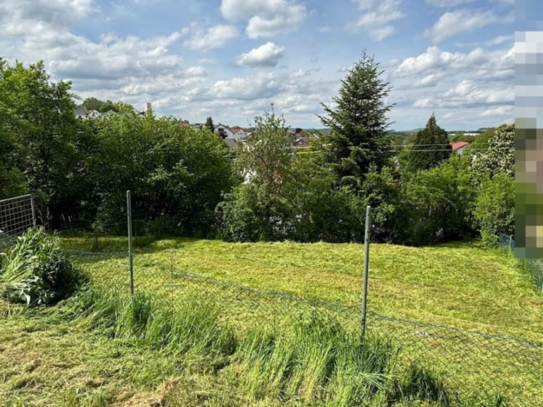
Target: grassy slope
(49,363)
(462,285)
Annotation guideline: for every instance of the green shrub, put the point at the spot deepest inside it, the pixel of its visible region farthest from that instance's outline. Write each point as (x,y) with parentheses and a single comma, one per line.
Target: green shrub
(495,207)
(436,205)
(37,272)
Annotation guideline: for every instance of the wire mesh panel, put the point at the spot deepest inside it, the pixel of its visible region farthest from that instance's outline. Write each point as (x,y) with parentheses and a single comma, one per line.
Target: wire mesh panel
(474,366)
(16,215)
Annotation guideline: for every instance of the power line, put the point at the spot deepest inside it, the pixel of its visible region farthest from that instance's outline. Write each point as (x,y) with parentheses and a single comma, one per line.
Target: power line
(407,151)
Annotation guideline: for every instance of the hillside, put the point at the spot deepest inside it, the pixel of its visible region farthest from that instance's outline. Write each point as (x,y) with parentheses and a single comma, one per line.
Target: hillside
(462,285)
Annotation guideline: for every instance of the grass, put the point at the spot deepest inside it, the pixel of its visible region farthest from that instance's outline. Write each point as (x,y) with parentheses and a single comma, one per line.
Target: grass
(459,285)
(189,341)
(136,357)
(462,285)
(49,362)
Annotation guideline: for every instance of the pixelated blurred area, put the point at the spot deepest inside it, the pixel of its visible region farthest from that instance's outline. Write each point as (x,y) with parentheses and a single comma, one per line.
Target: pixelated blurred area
(529,131)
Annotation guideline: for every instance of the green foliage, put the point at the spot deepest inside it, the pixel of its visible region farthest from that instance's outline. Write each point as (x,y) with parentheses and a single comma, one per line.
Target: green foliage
(495,207)
(461,136)
(500,155)
(382,191)
(174,173)
(358,135)
(428,150)
(37,119)
(259,208)
(92,103)
(436,205)
(37,272)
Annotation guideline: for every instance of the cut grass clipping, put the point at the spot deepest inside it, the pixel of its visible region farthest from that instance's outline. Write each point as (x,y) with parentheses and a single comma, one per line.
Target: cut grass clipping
(36,271)
(316,362)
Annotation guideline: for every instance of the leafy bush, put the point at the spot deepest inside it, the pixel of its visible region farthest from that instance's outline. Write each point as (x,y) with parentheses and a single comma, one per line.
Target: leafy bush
(37,272)
(500,154)
(436,205)
(177,175)
(495,207)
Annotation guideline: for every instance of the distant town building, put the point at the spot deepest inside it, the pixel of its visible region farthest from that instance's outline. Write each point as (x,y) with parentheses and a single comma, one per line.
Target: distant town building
(459,146)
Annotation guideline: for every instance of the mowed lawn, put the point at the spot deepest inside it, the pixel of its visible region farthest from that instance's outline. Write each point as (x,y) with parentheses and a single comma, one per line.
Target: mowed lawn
(460,284)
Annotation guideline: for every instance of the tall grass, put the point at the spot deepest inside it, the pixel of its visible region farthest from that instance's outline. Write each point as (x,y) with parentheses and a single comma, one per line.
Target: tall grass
(190,326)
(37,272)
(314,362)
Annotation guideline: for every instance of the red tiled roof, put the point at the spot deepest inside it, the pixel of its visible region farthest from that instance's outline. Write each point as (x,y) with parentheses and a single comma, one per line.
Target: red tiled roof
(235,131)
(456,145)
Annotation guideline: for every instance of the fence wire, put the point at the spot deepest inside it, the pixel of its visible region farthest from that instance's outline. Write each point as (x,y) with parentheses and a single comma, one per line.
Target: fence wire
(16,216)
(533,266)
(475,366)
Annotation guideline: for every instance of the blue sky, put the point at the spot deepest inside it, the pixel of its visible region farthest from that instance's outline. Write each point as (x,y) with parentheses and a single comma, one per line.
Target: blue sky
(230,59)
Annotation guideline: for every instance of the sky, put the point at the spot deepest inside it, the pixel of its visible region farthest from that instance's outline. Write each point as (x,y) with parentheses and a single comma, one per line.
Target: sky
(231,59)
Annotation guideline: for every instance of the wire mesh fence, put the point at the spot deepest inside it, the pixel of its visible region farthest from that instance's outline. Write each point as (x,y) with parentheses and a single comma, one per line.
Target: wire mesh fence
(475,366)
(533,266)
(17,215)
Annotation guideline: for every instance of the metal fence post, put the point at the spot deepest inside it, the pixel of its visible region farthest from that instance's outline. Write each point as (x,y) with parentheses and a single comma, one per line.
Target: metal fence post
(366,272)
(33,211)
(130,254)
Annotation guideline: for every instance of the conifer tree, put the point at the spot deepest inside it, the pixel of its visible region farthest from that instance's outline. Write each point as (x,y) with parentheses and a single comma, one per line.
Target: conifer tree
(358,125)
(209,124)
(430,147)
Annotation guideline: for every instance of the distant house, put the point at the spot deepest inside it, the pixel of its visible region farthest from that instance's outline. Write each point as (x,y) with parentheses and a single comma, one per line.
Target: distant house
(238,134)
(93,114)
(224,131)
(458,146)
(80,112)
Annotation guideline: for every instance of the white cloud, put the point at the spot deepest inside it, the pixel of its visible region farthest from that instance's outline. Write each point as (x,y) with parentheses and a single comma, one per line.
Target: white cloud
(137,69)
(377,17)
(52,13)
(499,111)
(478,62)
(500,40)
(429,80)
(265,18)
(449,3)
(196,71)
(468,93)
(458,86)
(458,21)
(213,37)
(266,55)
(434,59)
(454,3)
